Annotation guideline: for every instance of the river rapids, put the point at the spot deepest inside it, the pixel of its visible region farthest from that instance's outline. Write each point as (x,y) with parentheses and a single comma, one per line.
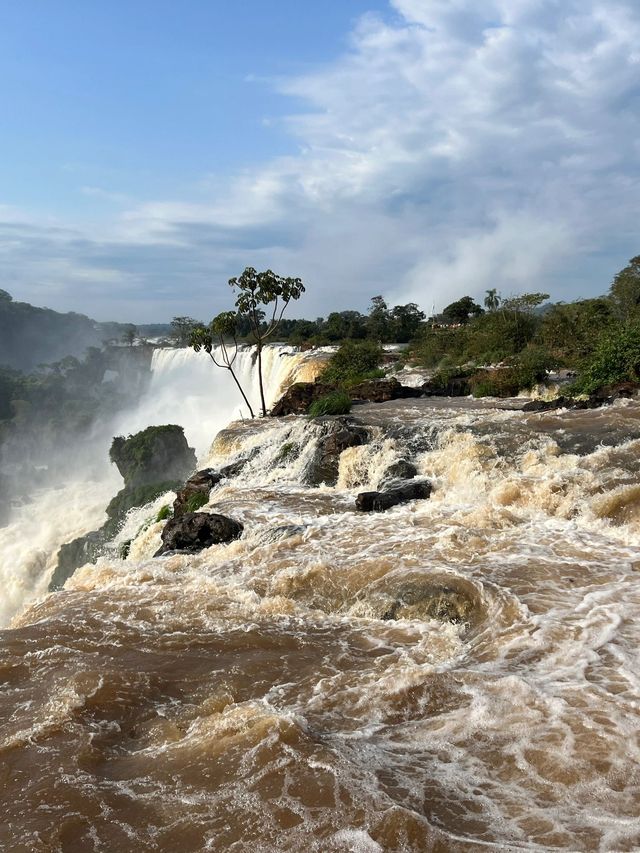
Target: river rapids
(454,674)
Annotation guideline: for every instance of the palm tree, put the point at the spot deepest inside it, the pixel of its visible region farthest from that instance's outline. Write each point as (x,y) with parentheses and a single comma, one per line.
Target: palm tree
(492,300)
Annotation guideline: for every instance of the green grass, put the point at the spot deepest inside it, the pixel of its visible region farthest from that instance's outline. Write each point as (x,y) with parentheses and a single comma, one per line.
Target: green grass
(337,403)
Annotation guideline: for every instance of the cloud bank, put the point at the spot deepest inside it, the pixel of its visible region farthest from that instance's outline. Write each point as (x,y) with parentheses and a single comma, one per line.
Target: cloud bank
(450,150)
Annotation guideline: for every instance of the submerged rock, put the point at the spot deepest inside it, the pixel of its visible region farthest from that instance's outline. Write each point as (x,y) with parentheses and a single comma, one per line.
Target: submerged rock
(193,531)
(431,601)
(154,455)
(343,433)
(382,500)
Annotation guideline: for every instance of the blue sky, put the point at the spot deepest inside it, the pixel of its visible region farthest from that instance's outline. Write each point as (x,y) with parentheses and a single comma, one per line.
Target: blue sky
(422,149)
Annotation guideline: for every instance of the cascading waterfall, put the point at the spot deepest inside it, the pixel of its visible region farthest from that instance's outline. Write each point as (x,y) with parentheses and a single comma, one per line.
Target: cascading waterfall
(186,388)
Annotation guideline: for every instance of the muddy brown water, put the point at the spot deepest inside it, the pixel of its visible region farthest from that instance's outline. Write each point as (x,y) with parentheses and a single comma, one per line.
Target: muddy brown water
(456,674)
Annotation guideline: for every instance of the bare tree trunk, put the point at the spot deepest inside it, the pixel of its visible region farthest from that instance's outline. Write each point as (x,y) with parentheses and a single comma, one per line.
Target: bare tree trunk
(264,406)
(244,396)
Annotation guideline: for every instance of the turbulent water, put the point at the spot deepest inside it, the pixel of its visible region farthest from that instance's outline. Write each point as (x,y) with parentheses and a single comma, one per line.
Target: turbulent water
(456,674)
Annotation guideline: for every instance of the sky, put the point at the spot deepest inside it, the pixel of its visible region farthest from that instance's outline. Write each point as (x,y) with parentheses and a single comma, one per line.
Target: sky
(417,149)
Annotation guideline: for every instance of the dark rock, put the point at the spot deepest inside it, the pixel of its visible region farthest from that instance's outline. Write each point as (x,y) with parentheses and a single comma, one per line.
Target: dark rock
(195,490)
(456,385)
(193,531)
(382,390)
(343,433)
(298,397)
(402,469)
(379,501)
(84,549)
(154,455)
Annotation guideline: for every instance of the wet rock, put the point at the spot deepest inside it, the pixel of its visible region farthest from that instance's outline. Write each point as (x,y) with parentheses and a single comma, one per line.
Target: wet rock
(382,500)
(298,397)
(84,549)
(401,469)
(154,455)
(445,385)
(193,531)
(343,433)
(195,492)
(382,390)
(430,601)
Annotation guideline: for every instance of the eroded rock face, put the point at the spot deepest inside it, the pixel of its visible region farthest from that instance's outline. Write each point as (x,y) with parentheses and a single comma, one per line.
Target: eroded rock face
(456,385)
(382,500)
(154,455)
(193,531)
(343,433)
(298,397)
(381,390)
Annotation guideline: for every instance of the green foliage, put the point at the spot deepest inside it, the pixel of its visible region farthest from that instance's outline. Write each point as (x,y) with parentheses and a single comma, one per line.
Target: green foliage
(195,501)
(570,331)
(182,329)
(354,362)
(336,403)
(616,359)
(462,310)
(522,373)
(625,291)
(164,513)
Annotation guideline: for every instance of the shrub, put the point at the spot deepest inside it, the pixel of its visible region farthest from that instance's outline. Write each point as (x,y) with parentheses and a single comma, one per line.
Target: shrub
(195,501)
(164,513)
(616,359)
(337,403)
(354,362)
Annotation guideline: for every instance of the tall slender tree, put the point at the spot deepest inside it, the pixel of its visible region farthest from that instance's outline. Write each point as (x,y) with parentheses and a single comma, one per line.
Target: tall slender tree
(255,289)
(221,332)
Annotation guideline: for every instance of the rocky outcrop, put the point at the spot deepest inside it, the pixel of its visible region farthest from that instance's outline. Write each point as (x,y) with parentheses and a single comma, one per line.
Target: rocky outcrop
(602,397)
(195,492)
(298,397)
(156,454)
(401,469)
(193,531)
(382,390)
(342,433)
(152,462)
(382,500)
(447,385)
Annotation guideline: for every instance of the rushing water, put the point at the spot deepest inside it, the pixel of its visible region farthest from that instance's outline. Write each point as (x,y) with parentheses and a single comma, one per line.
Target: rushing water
(455,674)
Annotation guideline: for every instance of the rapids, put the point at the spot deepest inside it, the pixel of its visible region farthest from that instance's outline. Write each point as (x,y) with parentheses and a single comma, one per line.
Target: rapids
(455,674)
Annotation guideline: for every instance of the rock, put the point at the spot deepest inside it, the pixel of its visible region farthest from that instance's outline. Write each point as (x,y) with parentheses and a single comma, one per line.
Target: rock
(401,469)
(343,433)
(380,501)
(154,455)
(382,390)
(454,385)
(193,531)
(84,549)
(431,601)
(298,397)
(195,492)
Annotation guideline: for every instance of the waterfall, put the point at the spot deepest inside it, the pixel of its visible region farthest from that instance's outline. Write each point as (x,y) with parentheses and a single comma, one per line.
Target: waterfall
(188,389)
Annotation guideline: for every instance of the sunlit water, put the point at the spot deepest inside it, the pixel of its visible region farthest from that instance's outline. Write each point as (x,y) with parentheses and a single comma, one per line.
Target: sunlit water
(257,696)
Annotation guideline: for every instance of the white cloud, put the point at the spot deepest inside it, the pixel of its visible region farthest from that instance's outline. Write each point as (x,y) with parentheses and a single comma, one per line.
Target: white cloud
(456,146)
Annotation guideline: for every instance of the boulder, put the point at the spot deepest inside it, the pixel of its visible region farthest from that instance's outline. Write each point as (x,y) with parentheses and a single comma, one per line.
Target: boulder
(382,500)
(343,433)
(382,390)
(154,455)
(195,492)
(193,531)
(298,397)
(447,385)
(401,469)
